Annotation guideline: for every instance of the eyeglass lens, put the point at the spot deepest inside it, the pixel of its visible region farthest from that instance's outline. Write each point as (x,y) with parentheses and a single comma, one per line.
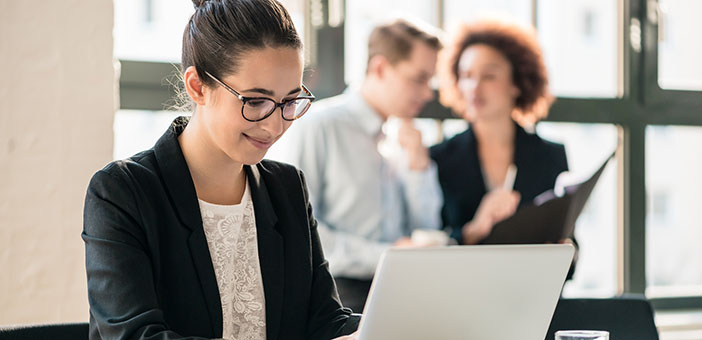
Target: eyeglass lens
(258,108)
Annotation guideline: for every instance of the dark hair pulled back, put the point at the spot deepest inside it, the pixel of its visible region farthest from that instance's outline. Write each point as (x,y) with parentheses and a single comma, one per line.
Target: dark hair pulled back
(220,31)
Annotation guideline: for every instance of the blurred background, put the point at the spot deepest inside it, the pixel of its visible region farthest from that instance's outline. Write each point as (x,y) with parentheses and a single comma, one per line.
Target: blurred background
(95,84)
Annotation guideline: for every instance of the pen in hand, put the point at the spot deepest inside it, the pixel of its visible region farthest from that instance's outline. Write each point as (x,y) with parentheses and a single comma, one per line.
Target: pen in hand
(508,184)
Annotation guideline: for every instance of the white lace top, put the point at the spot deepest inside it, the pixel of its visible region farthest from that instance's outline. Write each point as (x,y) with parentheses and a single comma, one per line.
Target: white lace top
(231,237)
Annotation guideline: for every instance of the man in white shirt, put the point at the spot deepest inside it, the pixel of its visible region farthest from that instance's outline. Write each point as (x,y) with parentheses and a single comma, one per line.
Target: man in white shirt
(364,199)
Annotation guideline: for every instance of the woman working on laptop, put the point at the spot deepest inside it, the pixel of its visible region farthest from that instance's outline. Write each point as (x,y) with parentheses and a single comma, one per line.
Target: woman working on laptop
(494,77)
(197,238)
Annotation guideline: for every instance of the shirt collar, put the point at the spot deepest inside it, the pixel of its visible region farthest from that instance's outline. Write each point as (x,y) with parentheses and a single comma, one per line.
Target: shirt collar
(369,119)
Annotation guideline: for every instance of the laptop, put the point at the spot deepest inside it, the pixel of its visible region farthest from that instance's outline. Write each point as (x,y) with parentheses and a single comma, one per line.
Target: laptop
(484,292)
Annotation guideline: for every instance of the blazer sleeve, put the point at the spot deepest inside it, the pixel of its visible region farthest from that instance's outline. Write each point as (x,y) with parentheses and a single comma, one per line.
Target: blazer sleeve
(562,159)
(123,302)
(327,318)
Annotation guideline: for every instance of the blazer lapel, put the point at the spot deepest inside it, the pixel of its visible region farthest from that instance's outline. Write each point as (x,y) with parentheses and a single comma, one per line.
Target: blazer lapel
(522,159)
(270,249)
(181,189)
(476,168)
(200,253)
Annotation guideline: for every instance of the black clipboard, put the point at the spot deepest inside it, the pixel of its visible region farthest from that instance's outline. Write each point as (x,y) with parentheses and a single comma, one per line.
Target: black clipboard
(549,218)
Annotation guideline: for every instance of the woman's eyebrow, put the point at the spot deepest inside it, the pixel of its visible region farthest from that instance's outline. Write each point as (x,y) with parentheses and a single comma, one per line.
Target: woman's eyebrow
(260,90)
(295,90)
(494,66)
(269,92)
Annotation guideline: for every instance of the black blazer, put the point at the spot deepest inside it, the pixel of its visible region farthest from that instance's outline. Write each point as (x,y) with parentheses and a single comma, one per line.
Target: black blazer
(150,275)
(538,163)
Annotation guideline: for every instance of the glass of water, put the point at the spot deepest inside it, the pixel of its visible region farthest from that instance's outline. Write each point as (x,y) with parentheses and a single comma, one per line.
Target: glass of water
(582,335)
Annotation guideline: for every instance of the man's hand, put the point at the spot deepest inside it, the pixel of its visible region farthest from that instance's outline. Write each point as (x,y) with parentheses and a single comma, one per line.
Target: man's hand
(410,139)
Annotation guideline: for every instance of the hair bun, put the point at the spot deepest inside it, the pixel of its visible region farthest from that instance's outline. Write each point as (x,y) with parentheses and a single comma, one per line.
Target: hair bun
(199,3)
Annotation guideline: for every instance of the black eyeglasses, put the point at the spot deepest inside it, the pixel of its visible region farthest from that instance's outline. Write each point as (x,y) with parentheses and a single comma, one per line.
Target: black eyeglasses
(256,109)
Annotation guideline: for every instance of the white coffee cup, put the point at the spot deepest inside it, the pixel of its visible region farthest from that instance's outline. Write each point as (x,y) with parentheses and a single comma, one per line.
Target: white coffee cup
(428,238)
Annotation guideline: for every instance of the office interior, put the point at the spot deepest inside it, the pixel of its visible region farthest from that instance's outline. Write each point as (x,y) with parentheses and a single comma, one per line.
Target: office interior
(90,81)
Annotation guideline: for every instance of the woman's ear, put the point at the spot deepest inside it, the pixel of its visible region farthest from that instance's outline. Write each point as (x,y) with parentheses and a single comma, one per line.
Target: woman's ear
(194,86)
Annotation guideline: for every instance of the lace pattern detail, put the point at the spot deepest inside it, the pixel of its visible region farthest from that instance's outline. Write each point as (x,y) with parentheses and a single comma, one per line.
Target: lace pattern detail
(231,239)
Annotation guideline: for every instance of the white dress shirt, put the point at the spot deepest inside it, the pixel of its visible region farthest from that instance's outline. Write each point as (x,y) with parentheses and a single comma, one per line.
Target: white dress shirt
(363,199)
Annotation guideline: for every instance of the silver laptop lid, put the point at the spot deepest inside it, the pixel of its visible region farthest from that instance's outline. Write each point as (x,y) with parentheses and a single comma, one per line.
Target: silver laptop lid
(466,292)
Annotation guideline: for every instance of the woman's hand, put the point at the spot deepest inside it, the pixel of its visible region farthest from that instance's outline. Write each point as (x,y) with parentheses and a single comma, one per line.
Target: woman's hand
(575,245)
(404,242)
(496,206)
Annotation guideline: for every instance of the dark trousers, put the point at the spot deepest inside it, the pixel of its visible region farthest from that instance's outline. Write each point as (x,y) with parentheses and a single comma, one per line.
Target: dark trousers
(353,292)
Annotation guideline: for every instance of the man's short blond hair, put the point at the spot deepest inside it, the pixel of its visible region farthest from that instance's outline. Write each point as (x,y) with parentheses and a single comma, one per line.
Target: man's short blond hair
(396,39)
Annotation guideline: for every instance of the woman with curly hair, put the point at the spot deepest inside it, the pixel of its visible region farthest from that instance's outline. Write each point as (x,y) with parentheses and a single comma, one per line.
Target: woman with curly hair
(494,77)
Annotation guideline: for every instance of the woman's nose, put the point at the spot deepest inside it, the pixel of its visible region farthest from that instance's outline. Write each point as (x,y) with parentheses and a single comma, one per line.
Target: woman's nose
(274,124)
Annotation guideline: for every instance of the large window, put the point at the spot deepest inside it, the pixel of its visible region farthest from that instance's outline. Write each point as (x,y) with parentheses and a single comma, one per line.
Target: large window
(457,11)
(153,29)
(627,76)
(581,43)
(150,29)
(673,184)
(679,49)
(138,130)
(587,146)
(363,15)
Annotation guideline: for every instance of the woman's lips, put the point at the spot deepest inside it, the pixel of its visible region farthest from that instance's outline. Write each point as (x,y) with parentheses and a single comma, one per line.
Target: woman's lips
(260,143)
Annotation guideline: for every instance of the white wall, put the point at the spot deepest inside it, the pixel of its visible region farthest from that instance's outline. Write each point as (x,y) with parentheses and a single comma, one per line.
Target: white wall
(56,115)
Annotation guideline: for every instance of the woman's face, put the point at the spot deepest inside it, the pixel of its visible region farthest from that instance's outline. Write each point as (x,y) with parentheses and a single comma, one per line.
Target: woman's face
(485,83)
(274,73)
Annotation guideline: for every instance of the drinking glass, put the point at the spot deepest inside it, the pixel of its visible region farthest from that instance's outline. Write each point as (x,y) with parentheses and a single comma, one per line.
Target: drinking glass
(582,335)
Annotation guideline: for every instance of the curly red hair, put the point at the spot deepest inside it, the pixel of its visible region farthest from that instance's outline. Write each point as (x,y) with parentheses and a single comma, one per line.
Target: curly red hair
(520,47)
